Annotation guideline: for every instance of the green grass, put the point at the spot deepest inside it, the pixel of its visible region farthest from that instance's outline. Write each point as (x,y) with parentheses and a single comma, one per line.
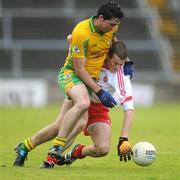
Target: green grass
(159,125)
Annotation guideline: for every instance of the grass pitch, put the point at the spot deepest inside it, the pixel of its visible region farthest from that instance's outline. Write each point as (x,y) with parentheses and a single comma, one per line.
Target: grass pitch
(159,125)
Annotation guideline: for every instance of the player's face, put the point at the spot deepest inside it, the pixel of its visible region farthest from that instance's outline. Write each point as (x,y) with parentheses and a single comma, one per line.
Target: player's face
(114,63)
(108,25)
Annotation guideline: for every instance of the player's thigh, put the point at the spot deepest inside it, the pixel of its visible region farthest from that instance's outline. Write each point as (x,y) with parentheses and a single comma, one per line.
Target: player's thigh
(79,93)
(100,133)
(66,106)
(73,86)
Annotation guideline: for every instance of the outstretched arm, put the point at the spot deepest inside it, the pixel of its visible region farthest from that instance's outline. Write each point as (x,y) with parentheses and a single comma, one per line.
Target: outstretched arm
(124,147)
(127,123)
(122,84)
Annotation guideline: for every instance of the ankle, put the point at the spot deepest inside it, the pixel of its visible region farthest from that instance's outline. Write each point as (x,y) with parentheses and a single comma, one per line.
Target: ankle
(23,153)
(78,152)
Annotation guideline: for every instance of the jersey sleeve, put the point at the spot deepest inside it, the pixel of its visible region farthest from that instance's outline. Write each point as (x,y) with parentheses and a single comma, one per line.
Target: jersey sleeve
(79,44)
(123,94)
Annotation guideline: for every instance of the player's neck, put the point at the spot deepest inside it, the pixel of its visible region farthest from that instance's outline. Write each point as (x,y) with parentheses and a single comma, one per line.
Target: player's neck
(97,24)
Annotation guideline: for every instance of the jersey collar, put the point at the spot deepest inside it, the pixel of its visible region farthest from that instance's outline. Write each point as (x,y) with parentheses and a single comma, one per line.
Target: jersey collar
(92,26)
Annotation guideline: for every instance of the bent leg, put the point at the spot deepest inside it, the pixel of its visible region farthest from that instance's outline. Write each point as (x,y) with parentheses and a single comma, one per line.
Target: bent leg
(45,134)
(51,131)
(101,135)
(80,97)
(81,102)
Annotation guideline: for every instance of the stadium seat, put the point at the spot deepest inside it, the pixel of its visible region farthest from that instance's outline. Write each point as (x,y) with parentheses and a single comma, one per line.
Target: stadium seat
(97,3)
(31,29)
(133,28)
(146,60)
(170,27)
(45,60)
(32,3)
(158,3)
(42,28)
(5,60)
(1,29)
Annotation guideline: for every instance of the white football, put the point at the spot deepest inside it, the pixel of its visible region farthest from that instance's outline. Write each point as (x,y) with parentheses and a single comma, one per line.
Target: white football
(144,153)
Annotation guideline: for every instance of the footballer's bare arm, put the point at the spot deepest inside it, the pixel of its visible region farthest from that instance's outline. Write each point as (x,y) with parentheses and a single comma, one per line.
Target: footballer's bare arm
(82,73)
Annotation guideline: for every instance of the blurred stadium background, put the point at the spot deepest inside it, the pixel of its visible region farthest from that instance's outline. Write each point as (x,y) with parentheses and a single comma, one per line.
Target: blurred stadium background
(33,47)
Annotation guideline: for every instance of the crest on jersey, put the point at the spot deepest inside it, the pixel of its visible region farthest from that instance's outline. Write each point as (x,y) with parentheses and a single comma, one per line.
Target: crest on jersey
(76,49)
(123,92)
(67,76)
(105,79)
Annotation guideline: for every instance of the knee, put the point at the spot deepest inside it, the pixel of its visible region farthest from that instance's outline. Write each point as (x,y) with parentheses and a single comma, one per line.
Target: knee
(103,150)
(83,105)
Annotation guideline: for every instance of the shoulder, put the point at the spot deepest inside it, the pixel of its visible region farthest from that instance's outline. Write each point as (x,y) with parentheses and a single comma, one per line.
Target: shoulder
(81,31)
(81,26)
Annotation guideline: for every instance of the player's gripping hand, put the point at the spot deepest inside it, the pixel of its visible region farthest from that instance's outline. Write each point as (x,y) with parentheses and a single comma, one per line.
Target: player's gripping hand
(106,98)
(124,149)
(128,68)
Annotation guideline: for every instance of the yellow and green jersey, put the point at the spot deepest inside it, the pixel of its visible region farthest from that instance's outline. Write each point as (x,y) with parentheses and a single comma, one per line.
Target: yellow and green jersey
(88,43)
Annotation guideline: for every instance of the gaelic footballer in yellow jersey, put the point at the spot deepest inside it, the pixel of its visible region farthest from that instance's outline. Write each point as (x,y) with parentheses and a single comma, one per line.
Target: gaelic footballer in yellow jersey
(90,44)
(91,40)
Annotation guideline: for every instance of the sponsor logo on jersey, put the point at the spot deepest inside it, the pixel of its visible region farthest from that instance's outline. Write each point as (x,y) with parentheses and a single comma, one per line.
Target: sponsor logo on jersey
(76,49)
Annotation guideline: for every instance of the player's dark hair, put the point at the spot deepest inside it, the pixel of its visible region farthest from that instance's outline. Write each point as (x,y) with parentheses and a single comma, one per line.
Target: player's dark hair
(110,10)
(118,48)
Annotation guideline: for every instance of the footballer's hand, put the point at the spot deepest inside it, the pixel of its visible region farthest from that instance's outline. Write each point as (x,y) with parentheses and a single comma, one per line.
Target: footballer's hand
(69,39)
(124,149)
(106,98)
(128,68)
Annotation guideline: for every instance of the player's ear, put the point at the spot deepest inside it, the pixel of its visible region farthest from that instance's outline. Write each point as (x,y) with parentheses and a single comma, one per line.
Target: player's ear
(101,18)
